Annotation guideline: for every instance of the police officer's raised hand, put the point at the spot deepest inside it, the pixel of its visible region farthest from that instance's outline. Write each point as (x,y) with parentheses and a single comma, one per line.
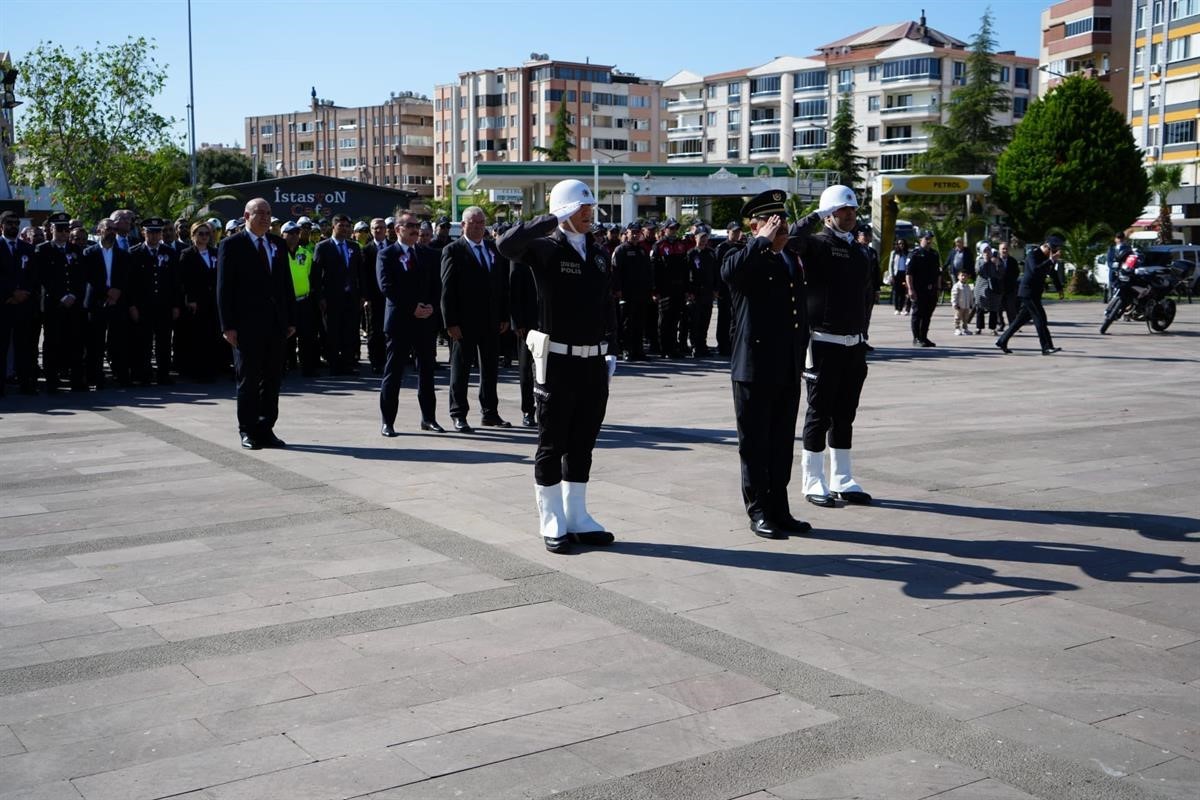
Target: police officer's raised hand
(770,229)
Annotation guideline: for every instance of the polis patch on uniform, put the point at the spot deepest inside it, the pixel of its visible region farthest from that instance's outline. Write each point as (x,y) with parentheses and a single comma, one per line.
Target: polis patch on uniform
(569,267)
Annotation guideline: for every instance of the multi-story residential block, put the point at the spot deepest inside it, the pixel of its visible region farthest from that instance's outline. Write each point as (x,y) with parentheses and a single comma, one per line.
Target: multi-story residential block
(898,77)
(1164,94)
(1089,37)
(503,114)
(389,144)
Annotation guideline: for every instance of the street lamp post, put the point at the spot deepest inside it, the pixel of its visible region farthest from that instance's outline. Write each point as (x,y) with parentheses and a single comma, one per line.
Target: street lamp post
(7,105)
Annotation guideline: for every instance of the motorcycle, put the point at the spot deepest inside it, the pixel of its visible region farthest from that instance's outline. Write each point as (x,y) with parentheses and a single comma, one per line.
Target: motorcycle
(1144,294)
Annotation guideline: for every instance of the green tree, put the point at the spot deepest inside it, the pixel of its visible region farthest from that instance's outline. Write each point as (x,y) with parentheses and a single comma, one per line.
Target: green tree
(1081,244)
(1163,180)
(724,211)
(561,145)
(1072,159)
(842,155)
(86,110)
(225,167)
(970,141)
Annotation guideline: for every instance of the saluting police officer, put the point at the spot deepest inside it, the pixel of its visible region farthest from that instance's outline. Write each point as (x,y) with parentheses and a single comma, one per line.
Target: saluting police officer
(770,337)
(64,283)
(577,321)
(838,277)
(157,300)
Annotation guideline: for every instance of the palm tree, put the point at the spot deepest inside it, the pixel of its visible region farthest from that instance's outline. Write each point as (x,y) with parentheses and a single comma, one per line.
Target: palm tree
(1165,179)
(1082,242)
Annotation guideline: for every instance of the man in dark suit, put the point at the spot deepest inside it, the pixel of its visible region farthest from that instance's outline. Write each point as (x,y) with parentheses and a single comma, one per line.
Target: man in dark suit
(373,305)
(257,308)
(61,271)
(405,276)
(19,293)
(1040,264)
(524,317)
(109,290)
(770,340)
(337,263)
(475,311)
(157,302)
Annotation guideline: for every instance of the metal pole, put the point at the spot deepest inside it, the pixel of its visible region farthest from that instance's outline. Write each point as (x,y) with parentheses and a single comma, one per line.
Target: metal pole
(191,97)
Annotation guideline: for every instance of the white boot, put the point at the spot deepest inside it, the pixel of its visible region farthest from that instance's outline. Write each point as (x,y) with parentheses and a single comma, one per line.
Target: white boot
(551,517)
(580,524)
(815,490)
(841,479)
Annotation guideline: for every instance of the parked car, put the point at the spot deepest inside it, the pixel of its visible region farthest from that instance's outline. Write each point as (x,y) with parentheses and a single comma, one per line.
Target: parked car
(1159,255)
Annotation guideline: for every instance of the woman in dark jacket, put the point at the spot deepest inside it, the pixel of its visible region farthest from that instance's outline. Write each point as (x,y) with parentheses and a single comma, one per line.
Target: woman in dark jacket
(896,271)
(207,350)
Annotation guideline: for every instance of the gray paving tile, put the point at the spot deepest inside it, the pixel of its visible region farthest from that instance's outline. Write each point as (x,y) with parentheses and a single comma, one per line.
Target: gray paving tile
(1175,664)
(57,790)
(346,673)
(199,769)
(1159,728)
(987,789)
(95,693)
(273,661)
(67,609)
(143,553)
(707,692)
(349,776)
(9,743)
(1178,779)
(229,622)
(536,775)
(107,642)
(904,775)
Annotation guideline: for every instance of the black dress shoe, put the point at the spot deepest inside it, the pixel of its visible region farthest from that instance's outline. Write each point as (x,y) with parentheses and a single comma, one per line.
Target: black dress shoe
(269,439)
(592,538)
(432,426)
(250,443)
(1003,347)
(766,530)
(869,348)
(528,421)
(822,500)
(562,545)
(790,524)
(928,343)
(496,422)
(461,426)
(388,430)
(854,498)
(1049,351)
(917,343)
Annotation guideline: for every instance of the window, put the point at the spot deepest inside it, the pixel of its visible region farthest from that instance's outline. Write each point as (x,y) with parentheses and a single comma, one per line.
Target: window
(570,95)
(899,101)
(897,133)
(810,109)
(553,95)
(845,80)
(913,69)
(764,142)
(607,99)
(1021,77)
(711,92)
(266,130)
(873,103)
(1180,132)
(617,144)
(437,104)
(895,162)
(710,146)
(710,118)
(635,101)
(764,86)
(641,147)
(873,133)
(810,79)
(348,163)
(1179,49)
(1003,75)
(960,73)
(347,144)
(684,148)
(268,148)
(764,115)
(735,119)
(1156,16)
(873,72)
(1020,106)
(307,163)
(306,147)
(733,89)
(732,152)
(809,139)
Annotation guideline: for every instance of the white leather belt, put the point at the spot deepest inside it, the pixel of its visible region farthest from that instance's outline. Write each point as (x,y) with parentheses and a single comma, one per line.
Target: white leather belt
(580,350)
(833,338)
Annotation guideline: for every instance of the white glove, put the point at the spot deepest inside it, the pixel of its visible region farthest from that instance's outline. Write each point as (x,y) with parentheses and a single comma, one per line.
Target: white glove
(568,211)
(611,363)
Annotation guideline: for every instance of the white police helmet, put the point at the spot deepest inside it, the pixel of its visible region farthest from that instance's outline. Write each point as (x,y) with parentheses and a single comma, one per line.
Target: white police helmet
(835,197)
(568,196)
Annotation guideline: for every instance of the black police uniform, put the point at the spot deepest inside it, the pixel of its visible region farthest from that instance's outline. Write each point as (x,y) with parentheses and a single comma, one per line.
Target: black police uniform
(158,295)
(669,265)
(874,284)
(723,301)
(576,311)
(1038,267)
(838,277)
(703,277)
(523,317)
(1010,281)
(770,338)
(375,305)
(108,319)
(632,278)
(924,273)
(63,275)
(22,321)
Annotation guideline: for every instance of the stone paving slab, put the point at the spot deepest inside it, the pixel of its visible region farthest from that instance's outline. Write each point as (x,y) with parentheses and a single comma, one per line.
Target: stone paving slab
(1014,618)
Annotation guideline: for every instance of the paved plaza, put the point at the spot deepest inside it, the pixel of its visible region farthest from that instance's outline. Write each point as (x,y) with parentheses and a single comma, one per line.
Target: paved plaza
(1018,615)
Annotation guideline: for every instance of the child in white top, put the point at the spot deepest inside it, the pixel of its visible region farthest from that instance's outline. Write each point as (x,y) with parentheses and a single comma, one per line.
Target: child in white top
(962,297)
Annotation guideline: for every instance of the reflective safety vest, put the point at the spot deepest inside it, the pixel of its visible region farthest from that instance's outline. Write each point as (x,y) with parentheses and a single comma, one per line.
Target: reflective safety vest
(300,262)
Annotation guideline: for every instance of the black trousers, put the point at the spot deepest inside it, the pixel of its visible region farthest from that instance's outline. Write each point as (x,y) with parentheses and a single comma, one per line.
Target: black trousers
(342,341)
(900,299)
(766,427)
(473,344)
(672,324)
(867,316)
(376,340)
(1009,303)
(108,335)
(258,368)
(833,395)
(6,326)
(304,349)
(26,330)
(209,348)
(525,367)
(1031,310)
(633,337)
(724,319)
(422,343)
(701,313)
(151,335)
(922,313)
(989,304)
(571,407)
(65,345)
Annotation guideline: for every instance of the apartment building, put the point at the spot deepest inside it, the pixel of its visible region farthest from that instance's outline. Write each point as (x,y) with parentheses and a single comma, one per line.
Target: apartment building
(503,114)
(897,76)
(1089,37)
(389,144)
(1164,93)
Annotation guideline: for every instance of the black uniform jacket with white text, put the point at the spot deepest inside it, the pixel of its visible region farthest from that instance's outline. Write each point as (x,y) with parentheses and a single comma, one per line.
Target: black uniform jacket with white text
(769,315)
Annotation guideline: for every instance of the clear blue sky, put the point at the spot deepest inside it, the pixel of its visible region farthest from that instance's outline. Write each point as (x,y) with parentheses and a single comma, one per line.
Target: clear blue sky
(263,57)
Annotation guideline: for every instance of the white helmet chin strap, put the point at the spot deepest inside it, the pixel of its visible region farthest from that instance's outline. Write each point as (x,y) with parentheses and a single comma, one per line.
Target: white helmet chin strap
(566,223)
(832,221)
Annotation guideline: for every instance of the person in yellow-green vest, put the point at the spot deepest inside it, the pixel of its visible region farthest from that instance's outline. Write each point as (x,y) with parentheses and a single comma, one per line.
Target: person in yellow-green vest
(300,261)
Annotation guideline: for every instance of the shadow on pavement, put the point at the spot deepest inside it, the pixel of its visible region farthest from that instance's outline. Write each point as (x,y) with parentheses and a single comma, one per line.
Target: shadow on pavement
(401,453)
(1152,526)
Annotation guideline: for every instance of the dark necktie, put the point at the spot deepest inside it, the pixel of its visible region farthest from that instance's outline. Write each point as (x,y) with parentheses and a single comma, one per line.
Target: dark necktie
(263,256)
(482,258)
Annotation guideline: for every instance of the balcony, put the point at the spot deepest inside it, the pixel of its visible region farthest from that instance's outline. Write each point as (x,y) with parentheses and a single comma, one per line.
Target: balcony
(765,97)
(764,152)
(902,140)
(764,124)
(685,157)
(685,104)
(912,80)
(684,131)
(912,111)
